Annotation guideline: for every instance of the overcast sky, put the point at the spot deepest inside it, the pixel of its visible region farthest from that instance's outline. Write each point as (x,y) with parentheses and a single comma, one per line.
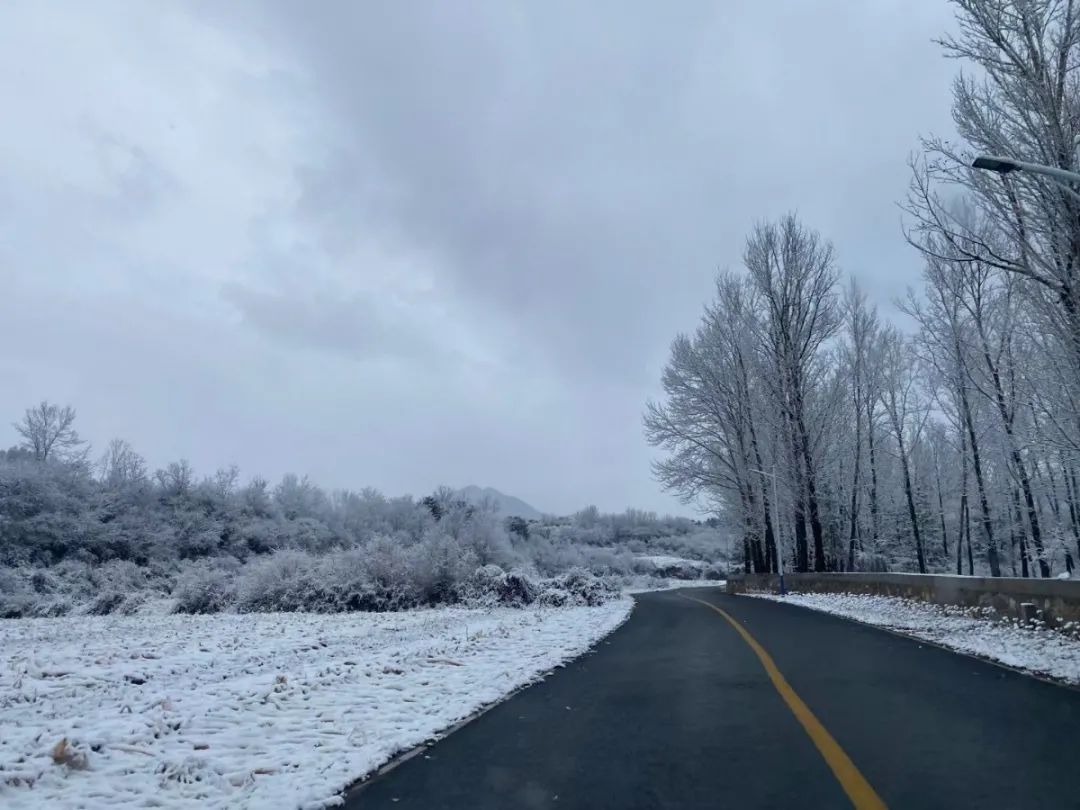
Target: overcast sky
(406,244)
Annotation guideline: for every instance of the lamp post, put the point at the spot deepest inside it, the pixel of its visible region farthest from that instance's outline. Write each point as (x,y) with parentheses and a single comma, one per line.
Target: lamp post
(1004,165)
(776,526)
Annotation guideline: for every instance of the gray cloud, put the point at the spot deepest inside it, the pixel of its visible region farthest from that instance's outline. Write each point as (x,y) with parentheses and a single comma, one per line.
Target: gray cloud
(467,231)
(359,327)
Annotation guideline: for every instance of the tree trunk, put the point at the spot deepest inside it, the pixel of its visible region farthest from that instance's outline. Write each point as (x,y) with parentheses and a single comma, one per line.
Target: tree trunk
(854,533)
(1019,533)
(802,552)
(980,483)
(771,556)
(963,500)
(811,480)
(921,558)
(1014,451)
(875,515)
(815,520)
(1070,496)
(1032,513)
(960,543)
(970,552)
(941,512)
(757,560)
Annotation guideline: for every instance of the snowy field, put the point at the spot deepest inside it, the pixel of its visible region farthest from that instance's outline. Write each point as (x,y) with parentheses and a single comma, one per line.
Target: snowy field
(258,710)
(1034,649)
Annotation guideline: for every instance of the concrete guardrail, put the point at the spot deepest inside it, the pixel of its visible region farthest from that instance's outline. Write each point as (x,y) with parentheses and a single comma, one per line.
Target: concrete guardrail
(1055,600)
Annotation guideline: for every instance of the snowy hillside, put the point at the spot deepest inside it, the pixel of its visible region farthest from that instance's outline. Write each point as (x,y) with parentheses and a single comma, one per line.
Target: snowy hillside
(505,505)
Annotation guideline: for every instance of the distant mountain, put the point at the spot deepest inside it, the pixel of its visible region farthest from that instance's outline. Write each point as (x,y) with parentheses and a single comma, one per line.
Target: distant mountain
(507,504)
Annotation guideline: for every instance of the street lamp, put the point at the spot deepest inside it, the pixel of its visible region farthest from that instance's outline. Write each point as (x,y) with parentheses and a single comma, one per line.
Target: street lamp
(776,526)
(1004,165)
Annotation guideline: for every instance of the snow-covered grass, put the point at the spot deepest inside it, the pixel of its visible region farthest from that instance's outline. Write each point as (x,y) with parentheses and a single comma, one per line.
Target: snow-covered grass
(269,710)
(1032,648)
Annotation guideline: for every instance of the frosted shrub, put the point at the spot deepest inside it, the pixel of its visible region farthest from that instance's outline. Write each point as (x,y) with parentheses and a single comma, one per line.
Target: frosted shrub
(669,569)
(121,575)
(577,588)
(42,582)
(286,581)
(51,607)
(440,568)
(105,603)
(376,578)
(490,586)
(350,585)
(203,588)
(553,557)
(486,536)
(16,599)
(605,562)
(716,571)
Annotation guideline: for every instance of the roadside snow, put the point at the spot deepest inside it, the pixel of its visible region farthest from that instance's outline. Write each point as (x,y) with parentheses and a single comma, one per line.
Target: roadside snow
(1033,649)
(647,584)
(261,710)
(664,561)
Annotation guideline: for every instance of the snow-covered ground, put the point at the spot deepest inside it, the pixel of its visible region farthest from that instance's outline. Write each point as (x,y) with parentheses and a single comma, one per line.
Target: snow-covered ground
(664,561)
(1033,648)
(647,584)
(259,710)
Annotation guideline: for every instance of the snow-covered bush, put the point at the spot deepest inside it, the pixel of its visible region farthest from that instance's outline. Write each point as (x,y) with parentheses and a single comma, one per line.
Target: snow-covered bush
(669,567)
(605,562)
(84,539)
(16,599)
(369,578)
(204,588)
(382,575)
(50,608)
(106,603)
(440,567)
(577,588)
(586,589)
(282,581)
(491,586)
(714,572)
(552,557)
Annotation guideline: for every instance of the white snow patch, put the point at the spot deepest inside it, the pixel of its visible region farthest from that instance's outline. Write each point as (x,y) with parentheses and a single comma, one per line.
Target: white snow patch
(261,710)
(647,584)
(664,561)
(1033,648)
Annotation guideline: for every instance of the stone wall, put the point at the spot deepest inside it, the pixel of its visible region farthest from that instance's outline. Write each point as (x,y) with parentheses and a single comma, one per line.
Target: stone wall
(1058,600)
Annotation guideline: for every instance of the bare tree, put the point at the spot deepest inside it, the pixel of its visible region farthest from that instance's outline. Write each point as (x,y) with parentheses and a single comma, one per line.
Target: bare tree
(176,479)
(906,415)
(947,336)
(862,329)
(793,271)
(1022,100)
(707,423)
(120,466)
(48,432)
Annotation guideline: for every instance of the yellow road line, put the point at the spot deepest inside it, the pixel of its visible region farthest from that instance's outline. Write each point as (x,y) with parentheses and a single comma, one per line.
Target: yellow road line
(862,795)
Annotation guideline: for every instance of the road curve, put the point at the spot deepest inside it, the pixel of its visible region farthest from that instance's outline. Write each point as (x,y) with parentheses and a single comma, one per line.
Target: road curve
(676,709)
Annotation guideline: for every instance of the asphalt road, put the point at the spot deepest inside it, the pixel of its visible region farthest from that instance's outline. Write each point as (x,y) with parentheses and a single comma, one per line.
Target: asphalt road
(676,710)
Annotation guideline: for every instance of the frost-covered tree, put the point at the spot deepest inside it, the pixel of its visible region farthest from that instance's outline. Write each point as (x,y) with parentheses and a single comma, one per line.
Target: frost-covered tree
(121,467)
(793,271)
(48,431)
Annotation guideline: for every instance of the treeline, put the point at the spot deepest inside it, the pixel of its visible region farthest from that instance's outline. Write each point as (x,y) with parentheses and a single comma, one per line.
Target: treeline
(109,534)
(950,441)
